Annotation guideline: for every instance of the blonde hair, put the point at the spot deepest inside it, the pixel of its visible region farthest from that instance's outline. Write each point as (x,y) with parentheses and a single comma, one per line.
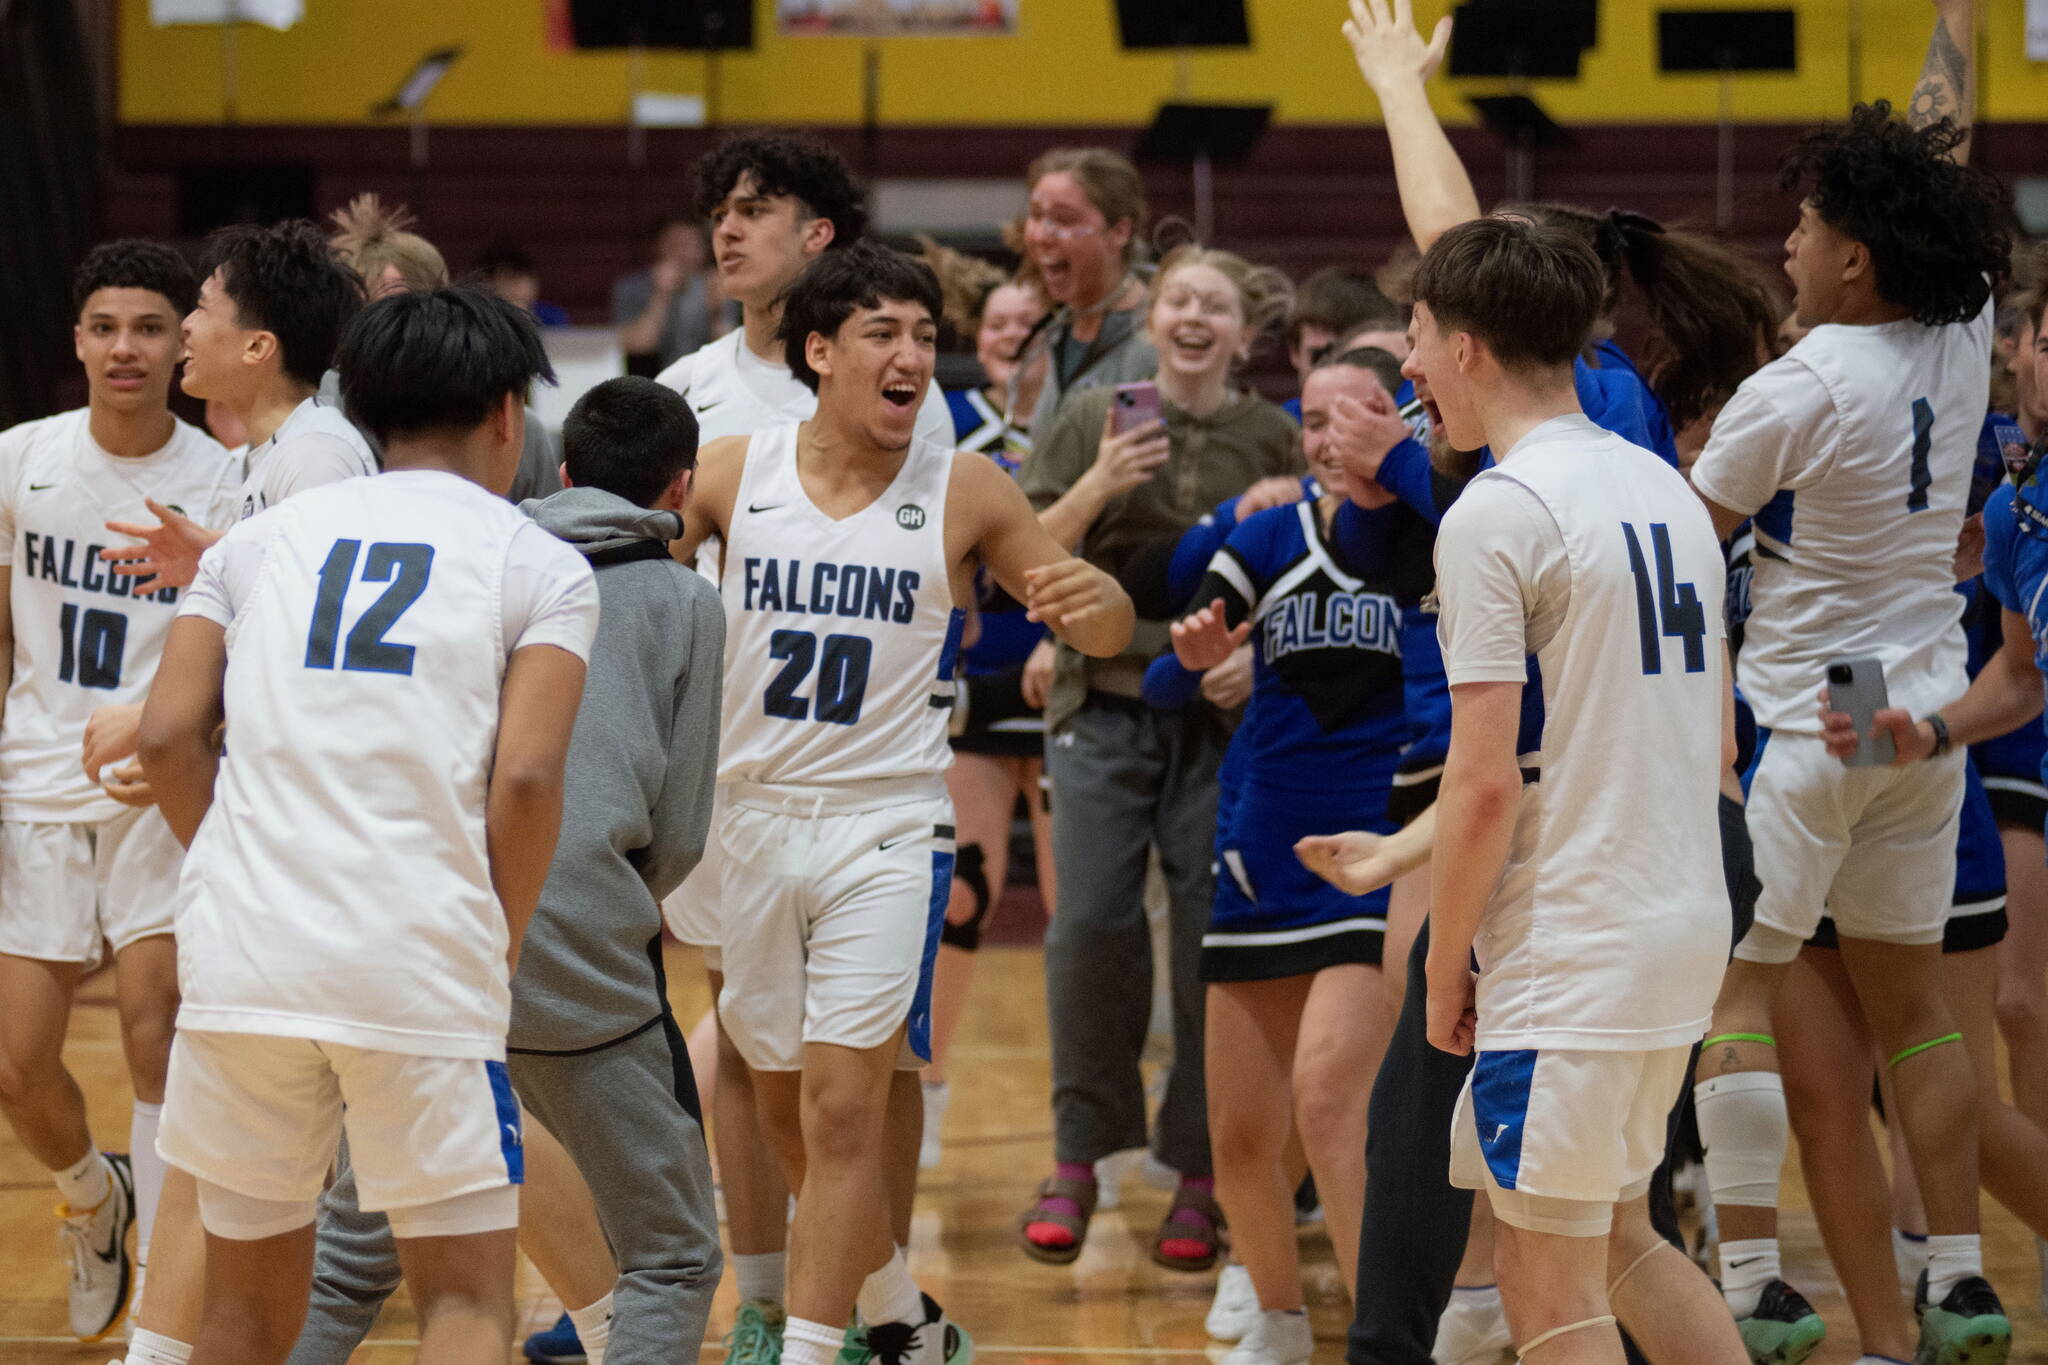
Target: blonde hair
(1111,183)
(1263,293)
(369,237)
(965,283)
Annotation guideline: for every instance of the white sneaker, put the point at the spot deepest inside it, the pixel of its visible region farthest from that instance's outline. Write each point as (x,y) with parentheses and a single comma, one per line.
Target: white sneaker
(1275,1338)
(1236,1305)
(95,1242)
(1473,1329)
(937,1095)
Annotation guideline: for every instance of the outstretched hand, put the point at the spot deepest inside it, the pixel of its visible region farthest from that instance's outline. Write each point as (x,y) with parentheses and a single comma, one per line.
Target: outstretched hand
(1387,46)
(1354,862)
(168,553)
(1204,640)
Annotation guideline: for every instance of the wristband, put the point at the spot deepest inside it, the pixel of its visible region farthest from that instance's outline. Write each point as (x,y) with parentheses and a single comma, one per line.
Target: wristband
(1941,740)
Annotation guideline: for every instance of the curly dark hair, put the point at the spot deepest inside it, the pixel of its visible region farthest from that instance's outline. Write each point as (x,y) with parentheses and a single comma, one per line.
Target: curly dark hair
(808,171)
(841,283)
(1939,233)
(287,281)
(133,263)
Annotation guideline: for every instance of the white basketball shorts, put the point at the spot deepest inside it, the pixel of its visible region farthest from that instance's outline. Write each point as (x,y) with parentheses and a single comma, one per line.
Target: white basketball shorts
(66,886)
(831,922)
(262,1116)
(691,910)
(1873,847)
(1558,1137)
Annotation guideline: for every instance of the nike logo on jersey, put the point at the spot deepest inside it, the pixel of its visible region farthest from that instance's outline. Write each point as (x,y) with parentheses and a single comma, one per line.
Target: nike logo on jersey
(764,506)
(888,844)
(1499,1131)
(59,561)
(512,1135)
(712,404)
(851,590)
(39,487)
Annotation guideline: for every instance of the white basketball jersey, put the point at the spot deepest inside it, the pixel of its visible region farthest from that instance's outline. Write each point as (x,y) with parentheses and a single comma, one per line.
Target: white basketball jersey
(1610,927)
(841,636)
(315,445)
(82,638)
(736,393)
(1854,451)
(340,886)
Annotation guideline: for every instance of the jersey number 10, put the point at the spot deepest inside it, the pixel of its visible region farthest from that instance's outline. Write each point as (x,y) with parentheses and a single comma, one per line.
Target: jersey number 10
(1667,608)
(93,644)
(405,568)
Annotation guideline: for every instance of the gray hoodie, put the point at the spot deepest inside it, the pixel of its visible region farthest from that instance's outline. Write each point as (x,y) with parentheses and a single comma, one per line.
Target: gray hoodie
(637,795)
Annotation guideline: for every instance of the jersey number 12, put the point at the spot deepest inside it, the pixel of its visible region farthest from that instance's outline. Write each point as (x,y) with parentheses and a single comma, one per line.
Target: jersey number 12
(405,568)
(1667,607)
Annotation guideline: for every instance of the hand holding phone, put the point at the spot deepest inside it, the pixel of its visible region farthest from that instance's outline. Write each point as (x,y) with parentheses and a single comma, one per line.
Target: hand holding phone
(1856,689)
(1132,406)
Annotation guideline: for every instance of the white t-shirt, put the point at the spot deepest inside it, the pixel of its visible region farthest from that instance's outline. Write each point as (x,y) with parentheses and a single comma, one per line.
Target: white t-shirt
(1610,927)
(736,393)
(82,638)
(1853,453)
(339,889)
(315,445)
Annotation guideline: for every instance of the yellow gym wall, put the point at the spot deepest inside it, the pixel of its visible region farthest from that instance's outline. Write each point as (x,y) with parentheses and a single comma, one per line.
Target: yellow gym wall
(1061,66)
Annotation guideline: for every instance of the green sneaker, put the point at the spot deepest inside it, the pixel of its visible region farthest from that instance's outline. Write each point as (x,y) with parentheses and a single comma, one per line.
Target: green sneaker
(1968,1327)
(853,1350)
(756,1335)
(1784,1329)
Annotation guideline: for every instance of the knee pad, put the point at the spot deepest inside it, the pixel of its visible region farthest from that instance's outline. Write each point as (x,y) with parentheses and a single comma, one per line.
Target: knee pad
(464,1215)
(968,867)
(1743,1124)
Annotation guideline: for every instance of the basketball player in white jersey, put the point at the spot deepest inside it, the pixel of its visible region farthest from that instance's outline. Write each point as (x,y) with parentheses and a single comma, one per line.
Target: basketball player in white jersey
(1594,905)
(850,550)
(272,309)
(1853,454)
(78,866)
(398,661)
(775,204)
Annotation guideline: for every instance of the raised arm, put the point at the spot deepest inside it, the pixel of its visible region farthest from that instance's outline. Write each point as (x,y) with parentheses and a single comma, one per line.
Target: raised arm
(1436,192)
(1081,604)
(1948,84)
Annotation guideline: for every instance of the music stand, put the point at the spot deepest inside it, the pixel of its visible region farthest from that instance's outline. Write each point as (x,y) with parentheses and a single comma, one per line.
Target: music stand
(1492,40)
(1166,24)
(1203,136)
(1723,42)
(411,97)
(1579,19)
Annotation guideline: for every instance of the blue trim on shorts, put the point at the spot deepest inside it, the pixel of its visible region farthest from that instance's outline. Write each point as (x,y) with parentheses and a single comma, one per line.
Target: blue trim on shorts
(1501,1082)
(935,921)
(510,1141)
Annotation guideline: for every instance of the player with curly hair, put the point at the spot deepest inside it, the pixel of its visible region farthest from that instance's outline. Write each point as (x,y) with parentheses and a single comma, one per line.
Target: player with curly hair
(1853,453)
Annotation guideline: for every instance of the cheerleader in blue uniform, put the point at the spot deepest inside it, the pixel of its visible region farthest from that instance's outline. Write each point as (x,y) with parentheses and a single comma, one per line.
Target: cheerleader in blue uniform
(1297,1008)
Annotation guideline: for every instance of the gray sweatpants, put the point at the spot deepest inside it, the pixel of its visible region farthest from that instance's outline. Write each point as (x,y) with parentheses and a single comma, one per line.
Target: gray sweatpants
(628,1115)
(1125,778)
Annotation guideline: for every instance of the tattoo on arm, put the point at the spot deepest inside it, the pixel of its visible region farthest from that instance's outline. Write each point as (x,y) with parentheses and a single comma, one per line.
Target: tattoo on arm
(1944,81)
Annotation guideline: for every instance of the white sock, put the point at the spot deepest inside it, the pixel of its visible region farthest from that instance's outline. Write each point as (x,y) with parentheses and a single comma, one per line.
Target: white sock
(889,1294)
(593,1328)
(1746,1267)
(1476,1298)
(765,1276)
(147,1348)
(87,1184)
(1744,1128)
(149,1173)
(811,1343)
(1950,1260)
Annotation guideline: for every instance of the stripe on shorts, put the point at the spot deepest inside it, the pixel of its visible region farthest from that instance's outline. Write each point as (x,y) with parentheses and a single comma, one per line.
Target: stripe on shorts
(1501,1083)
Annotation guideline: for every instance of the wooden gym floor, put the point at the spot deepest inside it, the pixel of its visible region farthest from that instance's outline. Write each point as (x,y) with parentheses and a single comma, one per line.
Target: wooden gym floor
(1112,1305)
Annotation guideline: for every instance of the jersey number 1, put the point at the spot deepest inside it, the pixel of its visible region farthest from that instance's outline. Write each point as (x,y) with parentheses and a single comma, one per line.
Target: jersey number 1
(405,568)
(1667,608)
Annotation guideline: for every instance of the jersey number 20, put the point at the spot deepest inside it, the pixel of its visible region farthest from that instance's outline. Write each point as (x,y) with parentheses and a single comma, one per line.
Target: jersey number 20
(405,568)
(842,676)
(1667,608)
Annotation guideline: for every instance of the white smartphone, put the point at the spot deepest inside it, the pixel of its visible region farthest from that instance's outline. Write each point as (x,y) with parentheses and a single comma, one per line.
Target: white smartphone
(1856,688)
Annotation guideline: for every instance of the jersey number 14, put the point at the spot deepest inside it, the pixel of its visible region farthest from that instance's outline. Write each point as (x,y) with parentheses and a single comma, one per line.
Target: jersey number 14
(1665,608)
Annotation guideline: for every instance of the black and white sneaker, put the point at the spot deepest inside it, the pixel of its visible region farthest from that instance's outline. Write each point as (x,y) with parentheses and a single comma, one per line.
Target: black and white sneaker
(95,1242)
(1968,1327)
(935,1341)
